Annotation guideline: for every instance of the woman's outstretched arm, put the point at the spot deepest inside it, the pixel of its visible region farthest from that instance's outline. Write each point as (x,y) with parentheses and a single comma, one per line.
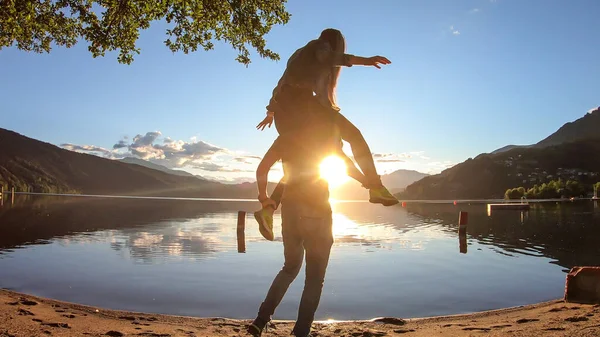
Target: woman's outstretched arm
(328,56)
(375,61)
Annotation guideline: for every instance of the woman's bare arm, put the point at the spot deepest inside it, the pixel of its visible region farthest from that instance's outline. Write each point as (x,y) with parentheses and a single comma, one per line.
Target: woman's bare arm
(326,55)
(375,61)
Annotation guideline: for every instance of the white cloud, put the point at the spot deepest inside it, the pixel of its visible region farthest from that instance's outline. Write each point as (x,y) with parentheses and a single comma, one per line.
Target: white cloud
(89,149)
(216,163)
(414,160)
(454,31)
(166,151)
(474,10)
(213,167)
(121,144)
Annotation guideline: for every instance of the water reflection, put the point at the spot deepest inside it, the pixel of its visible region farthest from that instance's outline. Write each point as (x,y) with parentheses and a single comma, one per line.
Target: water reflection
(156,243)
(36,220)
(152,230)
(180,256)
(566,232)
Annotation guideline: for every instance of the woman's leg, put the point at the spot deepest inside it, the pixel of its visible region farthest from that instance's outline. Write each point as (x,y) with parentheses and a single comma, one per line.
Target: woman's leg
(362,154)
(360,150)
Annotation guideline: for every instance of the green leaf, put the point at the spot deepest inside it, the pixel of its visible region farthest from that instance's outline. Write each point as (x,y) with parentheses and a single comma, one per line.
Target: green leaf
(115,25)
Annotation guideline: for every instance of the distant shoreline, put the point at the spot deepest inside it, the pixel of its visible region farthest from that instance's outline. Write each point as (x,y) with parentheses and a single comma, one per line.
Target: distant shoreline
(26,315)
(438,201)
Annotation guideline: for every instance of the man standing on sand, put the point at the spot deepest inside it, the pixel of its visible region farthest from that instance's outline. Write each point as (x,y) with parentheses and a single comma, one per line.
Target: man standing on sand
(306,219)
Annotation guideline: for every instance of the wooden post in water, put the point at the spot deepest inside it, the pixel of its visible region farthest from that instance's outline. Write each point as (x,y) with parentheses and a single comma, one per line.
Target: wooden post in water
(12,198)
(241,236)
(463,218)
(462,243)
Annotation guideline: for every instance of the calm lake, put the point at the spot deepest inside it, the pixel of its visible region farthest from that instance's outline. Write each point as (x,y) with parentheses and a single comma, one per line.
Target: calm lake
(180,257)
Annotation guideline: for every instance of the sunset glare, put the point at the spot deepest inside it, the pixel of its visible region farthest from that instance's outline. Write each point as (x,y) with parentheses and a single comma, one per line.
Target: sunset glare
(333,169)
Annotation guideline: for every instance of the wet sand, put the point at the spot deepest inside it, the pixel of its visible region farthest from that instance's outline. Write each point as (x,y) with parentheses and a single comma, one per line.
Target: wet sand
(24,315)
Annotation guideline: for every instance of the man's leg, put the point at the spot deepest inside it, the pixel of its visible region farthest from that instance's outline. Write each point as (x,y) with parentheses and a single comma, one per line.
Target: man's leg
(293,252)
(318,239)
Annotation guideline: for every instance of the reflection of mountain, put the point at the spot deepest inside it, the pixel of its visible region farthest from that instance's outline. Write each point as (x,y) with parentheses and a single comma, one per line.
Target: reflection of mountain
(35,219)
(150,230)
(566,233)
(152,242)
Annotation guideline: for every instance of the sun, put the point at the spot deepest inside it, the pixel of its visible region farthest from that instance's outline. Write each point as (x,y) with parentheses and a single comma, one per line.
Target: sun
(333,169)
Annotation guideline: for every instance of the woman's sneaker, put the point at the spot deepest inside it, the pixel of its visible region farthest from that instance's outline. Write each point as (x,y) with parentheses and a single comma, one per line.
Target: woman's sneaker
(264,217)
(382,196)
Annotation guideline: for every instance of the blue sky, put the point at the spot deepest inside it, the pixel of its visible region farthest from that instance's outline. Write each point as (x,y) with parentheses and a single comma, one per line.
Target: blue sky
(467,77)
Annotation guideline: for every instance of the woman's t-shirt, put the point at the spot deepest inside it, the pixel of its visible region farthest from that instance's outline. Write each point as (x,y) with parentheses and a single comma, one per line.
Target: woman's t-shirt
(309,68)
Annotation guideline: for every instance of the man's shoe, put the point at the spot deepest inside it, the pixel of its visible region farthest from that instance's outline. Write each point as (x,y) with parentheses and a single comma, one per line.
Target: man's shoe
(256,328)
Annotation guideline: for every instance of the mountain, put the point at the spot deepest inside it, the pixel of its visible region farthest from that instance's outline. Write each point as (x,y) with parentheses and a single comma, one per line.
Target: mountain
(585,127)
(32,165)
(510,147)
(570,153)
(145,163)
(401,178)
(395,182)
(490,175)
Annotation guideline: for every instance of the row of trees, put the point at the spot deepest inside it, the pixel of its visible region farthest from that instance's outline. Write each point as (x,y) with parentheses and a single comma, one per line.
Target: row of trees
(551,190)
(39,25)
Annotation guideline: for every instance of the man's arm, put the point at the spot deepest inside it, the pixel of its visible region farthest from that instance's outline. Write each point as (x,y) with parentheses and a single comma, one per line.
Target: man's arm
(262,172)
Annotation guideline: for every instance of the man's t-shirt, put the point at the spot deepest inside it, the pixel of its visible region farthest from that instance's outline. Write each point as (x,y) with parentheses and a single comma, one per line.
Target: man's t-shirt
(302,154)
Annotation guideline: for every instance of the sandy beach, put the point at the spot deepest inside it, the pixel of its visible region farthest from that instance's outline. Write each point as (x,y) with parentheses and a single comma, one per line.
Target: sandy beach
(25,315)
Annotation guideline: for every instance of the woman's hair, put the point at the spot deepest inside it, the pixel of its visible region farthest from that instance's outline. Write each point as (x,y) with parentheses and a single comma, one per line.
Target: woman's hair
(338,44)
